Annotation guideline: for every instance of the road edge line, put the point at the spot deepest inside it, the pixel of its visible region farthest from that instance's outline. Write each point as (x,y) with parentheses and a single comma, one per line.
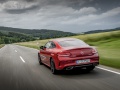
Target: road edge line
(108,70)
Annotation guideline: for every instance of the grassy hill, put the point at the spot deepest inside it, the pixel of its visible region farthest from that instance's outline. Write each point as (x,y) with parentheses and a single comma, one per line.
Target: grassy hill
(107,44)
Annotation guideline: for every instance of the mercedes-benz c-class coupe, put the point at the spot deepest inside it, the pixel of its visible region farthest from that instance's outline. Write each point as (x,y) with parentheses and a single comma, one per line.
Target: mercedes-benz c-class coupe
(67,54)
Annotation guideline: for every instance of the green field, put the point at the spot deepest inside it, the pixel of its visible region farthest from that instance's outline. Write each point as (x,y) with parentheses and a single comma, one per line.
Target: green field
(107,44)
(1,45)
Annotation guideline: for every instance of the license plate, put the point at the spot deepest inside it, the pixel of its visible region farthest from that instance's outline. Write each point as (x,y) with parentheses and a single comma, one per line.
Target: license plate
(83,61)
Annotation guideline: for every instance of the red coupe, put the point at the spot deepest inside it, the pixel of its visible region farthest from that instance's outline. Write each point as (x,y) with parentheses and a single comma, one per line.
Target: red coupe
(67,54)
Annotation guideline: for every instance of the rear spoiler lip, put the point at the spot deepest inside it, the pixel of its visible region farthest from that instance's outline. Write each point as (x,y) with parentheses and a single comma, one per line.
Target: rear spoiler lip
(75,48)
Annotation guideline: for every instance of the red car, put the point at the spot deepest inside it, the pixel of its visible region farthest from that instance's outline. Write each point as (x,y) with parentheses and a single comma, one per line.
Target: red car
(67,54)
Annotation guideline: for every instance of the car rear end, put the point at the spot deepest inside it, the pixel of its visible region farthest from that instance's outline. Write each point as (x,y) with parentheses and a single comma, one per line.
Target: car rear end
(77,56)
(80,57)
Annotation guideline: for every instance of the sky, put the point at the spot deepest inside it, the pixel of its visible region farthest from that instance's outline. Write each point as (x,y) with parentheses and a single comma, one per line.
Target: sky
(64,15)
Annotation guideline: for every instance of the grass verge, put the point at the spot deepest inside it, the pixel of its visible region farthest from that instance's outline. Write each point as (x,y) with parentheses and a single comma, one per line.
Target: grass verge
(2,45)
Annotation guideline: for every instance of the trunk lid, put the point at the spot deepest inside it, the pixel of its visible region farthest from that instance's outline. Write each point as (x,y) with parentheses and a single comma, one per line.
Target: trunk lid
(80,51)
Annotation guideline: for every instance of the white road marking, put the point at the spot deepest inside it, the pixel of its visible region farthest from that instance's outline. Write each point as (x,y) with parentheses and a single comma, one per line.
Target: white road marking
(15,50)
(108,70)
(22,59)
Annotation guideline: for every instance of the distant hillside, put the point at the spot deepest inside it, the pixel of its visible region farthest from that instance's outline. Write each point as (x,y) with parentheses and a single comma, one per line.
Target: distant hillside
(42,33)
(12,35)
(98,31)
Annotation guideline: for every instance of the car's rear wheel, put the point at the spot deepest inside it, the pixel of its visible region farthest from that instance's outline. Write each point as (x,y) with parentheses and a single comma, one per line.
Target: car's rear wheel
(90,68)
(52,65)
(39,59)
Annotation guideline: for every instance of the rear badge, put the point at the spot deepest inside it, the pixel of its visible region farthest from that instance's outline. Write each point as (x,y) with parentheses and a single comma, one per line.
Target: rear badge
(82,53)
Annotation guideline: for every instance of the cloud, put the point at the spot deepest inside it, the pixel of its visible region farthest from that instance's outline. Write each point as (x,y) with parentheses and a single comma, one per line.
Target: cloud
(17,7)
(2,1)
(47,16)
(63,11)
(93,17)
(22,6)
(68,15)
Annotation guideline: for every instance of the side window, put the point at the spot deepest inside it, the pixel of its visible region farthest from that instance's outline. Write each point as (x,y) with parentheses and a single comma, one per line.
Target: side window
(47,45)
(53,45)
(50,45)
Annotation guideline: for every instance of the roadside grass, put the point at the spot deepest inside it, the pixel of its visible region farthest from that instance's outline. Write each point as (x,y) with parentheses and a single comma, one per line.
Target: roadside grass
(33,44)
(107,43)
(99,36)
(2,45)
(109,51)
(110,57)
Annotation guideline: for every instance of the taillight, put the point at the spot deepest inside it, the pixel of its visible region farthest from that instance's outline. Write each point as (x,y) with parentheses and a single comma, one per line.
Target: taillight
(94,51)
(66,62)
(64,54)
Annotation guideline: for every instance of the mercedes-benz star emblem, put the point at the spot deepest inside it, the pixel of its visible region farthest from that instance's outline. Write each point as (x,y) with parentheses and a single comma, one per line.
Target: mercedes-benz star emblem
(82,53)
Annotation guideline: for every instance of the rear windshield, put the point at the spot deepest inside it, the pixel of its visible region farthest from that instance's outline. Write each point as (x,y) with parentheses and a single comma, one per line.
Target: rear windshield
(69,43)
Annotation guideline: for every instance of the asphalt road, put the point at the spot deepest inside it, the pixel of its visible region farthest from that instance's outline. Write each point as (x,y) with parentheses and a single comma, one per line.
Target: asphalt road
(20,70)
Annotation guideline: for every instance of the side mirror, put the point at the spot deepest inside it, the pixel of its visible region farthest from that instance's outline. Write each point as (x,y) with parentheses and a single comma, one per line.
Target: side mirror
(42,47)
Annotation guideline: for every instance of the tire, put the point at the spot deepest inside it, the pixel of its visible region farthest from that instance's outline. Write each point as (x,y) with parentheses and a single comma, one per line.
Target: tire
(39,59)
(52,66)
(90,68)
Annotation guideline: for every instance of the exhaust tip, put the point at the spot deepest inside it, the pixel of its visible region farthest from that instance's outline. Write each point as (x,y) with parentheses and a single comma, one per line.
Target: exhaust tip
(69,68)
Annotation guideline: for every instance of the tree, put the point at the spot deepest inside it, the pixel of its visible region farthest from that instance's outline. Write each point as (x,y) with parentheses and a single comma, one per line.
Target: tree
(6,40)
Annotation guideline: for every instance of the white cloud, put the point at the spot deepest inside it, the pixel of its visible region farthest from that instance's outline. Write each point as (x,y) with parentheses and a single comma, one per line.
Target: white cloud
(92,17)
(112,12)
(14,5)
(64,12)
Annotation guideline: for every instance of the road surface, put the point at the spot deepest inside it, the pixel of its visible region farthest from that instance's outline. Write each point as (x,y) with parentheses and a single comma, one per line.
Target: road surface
(20,70)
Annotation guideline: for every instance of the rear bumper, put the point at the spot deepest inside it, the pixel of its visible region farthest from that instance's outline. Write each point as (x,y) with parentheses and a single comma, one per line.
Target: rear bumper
(77,65)
(64,62)
(81,66)
(72,62)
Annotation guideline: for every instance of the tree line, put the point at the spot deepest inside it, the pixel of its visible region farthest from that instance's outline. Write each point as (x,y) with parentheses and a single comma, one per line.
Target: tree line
(13,37)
